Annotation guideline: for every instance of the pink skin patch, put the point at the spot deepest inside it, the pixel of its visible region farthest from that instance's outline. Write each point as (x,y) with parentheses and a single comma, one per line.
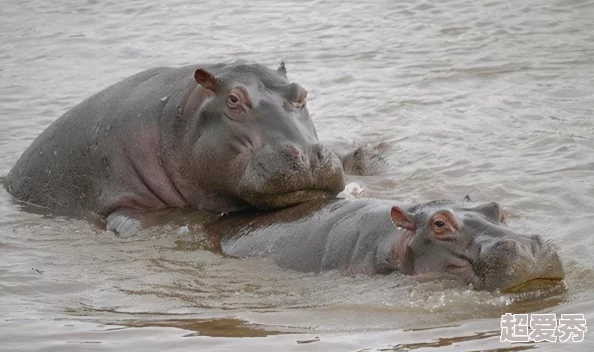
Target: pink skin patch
(293,152)
(400,248)
(509,243)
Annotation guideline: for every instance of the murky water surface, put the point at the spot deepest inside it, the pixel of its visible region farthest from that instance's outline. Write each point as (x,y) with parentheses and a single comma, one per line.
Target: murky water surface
(489,98)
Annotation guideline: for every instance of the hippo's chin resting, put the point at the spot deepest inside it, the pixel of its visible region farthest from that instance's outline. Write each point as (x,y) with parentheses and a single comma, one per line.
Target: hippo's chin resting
(273,181)
(284,200)
(464,241)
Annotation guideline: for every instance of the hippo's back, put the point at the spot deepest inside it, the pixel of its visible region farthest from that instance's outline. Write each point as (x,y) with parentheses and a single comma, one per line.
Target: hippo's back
(68,166)
(312,237)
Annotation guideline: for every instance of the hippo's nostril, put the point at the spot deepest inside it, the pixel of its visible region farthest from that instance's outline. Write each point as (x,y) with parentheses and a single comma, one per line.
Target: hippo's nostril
(320,154)
(317,154)
(293,152)
(297,156)
(509,243)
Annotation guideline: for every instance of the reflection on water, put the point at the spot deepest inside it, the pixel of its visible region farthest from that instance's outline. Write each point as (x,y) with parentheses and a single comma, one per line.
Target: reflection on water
(207,327)
(443,342)
(492,99)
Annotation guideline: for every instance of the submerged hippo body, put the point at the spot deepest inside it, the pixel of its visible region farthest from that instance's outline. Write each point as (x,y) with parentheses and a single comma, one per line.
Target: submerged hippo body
(213,137)
(464,241)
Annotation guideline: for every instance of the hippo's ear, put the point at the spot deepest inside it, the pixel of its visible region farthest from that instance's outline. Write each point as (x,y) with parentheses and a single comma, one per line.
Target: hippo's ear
(206,79)
(402,219)
(467,199)
(282,70)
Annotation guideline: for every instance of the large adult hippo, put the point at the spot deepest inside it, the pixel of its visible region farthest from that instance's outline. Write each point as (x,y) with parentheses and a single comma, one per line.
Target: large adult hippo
(216,137)
(464,241)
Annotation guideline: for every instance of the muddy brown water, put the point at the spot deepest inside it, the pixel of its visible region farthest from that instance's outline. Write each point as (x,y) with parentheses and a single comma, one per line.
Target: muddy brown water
(489,98)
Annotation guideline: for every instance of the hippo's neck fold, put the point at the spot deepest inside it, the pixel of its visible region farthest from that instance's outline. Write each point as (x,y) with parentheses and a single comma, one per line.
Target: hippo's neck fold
(147,172)
(391,250)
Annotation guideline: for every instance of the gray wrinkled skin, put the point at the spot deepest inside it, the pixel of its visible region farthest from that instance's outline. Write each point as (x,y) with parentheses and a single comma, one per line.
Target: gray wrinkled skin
(177,137)
(359,236)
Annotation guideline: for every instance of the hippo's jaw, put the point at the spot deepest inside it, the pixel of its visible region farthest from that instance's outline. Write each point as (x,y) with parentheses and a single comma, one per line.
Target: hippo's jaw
(277,179)
(285,200)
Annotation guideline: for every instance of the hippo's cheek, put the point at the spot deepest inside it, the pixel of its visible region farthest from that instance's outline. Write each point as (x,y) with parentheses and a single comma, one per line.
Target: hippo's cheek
(452,269)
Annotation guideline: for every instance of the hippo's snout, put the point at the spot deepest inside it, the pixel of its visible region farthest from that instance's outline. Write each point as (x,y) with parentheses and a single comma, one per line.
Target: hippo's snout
(515,264)
(285,175)
(310,159)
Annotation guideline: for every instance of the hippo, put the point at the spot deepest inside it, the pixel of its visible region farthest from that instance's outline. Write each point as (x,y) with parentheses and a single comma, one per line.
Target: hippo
(466,242)
(364,160)
(216,137)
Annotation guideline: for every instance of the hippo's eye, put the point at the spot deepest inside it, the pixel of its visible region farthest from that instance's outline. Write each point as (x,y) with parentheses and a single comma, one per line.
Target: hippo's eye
(443,222)
(233,99)
(439,226)
(238,102)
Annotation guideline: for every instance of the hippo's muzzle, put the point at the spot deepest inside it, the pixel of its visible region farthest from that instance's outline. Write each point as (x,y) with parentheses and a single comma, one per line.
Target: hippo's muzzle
(518,264)
(278,177)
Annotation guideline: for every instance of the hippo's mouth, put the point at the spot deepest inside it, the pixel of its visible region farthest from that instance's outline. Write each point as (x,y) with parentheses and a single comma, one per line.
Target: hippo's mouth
(535,284)
(288,199)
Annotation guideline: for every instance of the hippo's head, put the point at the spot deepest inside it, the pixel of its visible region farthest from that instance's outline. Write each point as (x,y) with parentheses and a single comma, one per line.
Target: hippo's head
(470,243)
(254,143)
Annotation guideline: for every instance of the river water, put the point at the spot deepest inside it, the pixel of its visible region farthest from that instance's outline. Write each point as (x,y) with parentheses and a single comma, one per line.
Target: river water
(494,99)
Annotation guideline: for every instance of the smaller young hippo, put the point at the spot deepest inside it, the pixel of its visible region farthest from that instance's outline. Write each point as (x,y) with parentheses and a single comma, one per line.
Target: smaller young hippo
(465,241)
